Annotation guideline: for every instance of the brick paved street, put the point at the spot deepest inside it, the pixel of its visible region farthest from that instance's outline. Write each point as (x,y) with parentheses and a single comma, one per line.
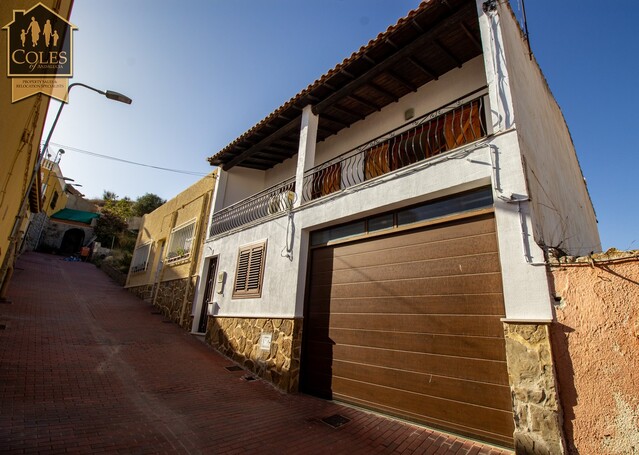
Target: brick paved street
(86,367)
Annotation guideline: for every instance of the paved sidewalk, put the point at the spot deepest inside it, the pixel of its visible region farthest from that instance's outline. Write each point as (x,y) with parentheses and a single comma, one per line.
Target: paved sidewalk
(86,367)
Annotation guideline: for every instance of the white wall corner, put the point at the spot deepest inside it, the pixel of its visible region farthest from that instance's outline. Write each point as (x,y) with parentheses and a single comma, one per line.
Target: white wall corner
(499,93)
(524,277)
(217,200)
(306,150)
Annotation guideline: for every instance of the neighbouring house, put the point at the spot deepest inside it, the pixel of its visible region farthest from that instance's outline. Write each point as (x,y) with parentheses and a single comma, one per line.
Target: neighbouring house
(380,238)
(165,265)
(21,132)
(65,223)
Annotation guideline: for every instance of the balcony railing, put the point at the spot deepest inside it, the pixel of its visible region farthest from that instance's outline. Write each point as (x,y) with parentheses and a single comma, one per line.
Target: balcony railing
(268,202)
(444,129)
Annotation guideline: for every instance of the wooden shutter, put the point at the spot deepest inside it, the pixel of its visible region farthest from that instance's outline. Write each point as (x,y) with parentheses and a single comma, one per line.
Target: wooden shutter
(327,180)
(250,271)
(377,161)
(462,126)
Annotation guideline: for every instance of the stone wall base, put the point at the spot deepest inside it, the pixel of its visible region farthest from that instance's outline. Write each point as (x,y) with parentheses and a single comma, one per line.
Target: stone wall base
(531,372)
(144,292)
(114,274)
(239,339)
(170,300)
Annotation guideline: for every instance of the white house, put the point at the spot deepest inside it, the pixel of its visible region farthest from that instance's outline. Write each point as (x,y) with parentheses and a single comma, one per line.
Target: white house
(379,239)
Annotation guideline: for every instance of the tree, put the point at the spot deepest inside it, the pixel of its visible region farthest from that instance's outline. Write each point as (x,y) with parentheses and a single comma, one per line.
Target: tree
(146,204)
(109,196)
(108,227)
(123,207)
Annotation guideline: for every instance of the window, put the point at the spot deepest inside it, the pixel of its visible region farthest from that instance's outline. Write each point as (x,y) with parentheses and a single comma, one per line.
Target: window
(181,242)
(54,200)
(471,200)
(140,259)
(250,271)
(464,202)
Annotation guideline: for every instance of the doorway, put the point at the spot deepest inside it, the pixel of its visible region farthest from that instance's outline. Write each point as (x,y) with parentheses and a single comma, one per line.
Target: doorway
(72,241)
(208,294)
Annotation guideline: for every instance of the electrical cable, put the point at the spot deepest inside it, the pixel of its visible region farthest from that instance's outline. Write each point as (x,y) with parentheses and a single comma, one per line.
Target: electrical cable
(121,160)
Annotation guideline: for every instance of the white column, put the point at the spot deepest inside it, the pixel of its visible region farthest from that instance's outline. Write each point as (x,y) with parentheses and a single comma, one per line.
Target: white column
(217,200)
(306,150)
(525,283)
(501,114)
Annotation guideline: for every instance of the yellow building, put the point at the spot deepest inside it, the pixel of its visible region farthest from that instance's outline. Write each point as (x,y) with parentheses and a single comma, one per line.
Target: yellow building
(54,195)
(65,222)
(20,133)
(164,268)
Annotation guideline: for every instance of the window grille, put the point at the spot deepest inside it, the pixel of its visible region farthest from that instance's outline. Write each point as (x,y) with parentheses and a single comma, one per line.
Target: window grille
(140,259)
(250,271)
(181,242)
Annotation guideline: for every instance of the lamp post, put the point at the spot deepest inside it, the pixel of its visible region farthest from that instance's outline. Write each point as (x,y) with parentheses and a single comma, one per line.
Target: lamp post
(6,270)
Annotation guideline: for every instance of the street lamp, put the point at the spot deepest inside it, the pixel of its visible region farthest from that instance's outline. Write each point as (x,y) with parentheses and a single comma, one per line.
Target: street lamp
(16,226)
(109,94)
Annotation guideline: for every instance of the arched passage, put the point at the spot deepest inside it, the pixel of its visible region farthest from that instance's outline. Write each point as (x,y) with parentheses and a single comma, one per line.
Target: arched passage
(72,241)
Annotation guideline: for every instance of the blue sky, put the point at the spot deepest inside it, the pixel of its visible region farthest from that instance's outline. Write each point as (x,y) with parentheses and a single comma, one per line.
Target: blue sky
(201,73)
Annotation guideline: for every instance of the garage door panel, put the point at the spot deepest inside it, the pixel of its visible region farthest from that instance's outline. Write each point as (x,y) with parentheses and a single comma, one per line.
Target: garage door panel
(486,326)
(479,244)
(431,304)
(486,283)
(409,323)
(464,265)
(478,393)
(452,345)
(439,233)
(454,367)
(462,414)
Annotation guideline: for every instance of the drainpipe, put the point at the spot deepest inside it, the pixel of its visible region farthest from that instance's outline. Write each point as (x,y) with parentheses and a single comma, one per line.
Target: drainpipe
(196,256)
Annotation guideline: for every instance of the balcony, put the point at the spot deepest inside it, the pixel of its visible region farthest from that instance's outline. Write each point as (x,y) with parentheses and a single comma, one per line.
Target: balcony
(271,201)
(447,128)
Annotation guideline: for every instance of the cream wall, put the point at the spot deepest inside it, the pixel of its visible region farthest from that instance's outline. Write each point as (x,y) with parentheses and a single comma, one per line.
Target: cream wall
(429,97)
(242,183)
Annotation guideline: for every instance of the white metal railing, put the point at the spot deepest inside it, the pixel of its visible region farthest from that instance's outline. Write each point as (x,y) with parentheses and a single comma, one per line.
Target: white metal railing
(268,202)
(140,259)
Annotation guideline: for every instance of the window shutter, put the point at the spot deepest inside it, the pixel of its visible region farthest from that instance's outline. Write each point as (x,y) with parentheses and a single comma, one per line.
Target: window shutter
(255,269)
(250,271)
(242,270)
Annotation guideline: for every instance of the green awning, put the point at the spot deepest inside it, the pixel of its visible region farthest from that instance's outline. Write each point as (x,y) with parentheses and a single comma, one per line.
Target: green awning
(78,216)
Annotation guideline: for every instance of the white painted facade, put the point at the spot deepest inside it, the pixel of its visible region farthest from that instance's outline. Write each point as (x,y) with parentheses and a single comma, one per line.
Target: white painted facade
(563,215)
(497,160)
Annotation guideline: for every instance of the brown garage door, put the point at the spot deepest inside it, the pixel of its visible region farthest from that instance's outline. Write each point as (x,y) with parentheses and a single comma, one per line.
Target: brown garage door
(408,324)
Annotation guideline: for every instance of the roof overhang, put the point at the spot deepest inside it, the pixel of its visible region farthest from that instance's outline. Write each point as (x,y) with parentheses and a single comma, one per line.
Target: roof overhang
(438,36)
